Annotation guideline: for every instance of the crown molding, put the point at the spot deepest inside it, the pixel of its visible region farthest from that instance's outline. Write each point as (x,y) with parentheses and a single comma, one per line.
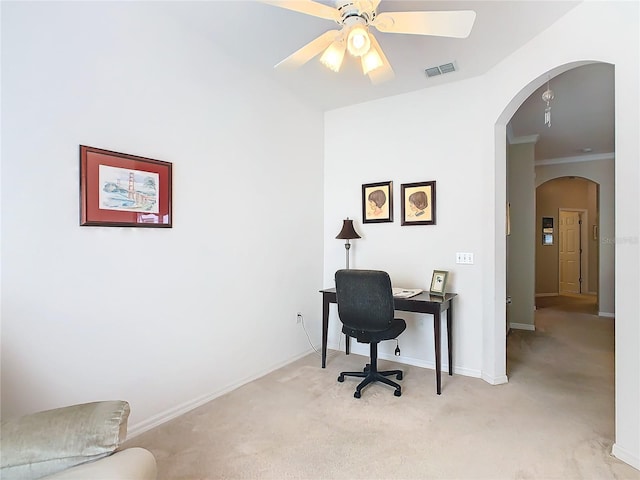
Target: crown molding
(580,158)
(525,139)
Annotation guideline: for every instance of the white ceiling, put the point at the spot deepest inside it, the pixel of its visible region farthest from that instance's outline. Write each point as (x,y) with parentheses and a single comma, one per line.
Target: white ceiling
(582,115)
(259,36)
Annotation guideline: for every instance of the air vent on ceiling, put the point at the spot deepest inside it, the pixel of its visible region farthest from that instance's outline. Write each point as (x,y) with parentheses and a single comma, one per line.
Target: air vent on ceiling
(442,69)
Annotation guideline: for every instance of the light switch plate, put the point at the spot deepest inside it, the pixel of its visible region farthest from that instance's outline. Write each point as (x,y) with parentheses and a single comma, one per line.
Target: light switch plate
(464,258)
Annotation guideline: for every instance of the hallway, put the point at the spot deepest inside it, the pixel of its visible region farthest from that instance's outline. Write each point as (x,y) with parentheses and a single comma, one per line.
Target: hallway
(570,303)
(568,362)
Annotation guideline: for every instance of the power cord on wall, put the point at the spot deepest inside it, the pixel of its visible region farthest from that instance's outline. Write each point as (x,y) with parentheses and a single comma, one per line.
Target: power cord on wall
(304,327)
(329,353)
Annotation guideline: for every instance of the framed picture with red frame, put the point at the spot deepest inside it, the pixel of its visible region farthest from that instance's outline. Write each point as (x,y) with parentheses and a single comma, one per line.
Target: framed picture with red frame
(121,190)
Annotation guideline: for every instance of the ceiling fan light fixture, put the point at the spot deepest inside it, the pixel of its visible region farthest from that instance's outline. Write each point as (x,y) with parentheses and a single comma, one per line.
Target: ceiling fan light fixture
(371,60)
(358,41)
(354,19)
(333,56)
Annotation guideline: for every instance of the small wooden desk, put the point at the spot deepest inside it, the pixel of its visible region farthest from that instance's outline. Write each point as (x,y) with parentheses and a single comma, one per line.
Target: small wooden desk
(422,303)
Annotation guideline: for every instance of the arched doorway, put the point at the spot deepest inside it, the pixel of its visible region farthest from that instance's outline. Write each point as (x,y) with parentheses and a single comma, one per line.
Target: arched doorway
(567,238)
(528,164)
(592,169)
(559,49)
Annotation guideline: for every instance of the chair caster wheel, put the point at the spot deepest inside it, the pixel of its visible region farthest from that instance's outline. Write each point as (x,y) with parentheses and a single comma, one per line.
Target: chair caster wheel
(341,378)
(399,376)
(397,393)
(357,394)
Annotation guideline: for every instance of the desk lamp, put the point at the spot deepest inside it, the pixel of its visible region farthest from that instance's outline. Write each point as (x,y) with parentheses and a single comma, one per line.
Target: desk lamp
(347,233)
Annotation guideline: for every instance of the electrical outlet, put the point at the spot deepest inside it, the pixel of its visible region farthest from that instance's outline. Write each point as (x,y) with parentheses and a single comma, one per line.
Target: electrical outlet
(298,318)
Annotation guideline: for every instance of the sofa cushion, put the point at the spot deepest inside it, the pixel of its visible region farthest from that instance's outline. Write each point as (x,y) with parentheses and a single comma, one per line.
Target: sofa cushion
(47,442)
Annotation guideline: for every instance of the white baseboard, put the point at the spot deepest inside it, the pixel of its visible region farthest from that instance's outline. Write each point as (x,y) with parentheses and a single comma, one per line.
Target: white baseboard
(626,456)
(418,362)
(159,419)
(523,326)
(431,365)
(606,314)
(499,380)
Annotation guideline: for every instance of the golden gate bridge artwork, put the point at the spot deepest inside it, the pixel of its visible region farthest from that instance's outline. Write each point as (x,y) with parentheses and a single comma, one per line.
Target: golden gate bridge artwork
(128,190)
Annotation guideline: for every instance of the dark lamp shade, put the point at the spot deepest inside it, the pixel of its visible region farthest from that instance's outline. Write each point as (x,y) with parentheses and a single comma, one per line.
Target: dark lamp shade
(347,231)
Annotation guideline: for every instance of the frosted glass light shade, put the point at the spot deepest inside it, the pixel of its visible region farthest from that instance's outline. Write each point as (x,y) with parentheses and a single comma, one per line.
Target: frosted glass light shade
(370,61)
(333,56)
(358,41)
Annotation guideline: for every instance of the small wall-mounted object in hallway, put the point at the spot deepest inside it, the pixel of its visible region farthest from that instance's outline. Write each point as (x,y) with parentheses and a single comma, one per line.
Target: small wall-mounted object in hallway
(121,190)
(547,230)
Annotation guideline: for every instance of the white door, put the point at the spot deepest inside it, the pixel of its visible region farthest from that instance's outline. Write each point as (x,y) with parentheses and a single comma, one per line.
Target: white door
(569,251)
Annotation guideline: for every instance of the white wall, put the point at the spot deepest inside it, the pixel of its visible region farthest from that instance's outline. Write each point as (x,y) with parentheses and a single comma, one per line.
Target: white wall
(463,147)
(398,139)
(163,318)
(521,269)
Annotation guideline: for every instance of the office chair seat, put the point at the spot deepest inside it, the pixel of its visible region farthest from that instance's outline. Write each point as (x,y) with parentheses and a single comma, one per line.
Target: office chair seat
(365,308)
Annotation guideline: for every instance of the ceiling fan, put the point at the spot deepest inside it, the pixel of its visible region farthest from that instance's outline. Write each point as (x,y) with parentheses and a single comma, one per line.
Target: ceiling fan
(354,35)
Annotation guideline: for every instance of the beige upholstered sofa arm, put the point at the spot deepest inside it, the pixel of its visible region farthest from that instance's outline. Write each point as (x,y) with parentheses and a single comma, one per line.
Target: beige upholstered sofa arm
(132,463)
(46,443)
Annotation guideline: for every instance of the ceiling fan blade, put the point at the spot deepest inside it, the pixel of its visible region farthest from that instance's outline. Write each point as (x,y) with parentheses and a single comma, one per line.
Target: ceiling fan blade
(306,6)
(383,73)
(310,50)
(456,24)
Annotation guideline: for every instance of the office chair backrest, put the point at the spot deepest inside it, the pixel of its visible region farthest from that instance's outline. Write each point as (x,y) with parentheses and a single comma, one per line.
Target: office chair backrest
(365,299)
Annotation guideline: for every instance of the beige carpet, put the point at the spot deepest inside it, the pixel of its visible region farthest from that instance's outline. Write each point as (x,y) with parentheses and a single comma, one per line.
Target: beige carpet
(553,420)
(574,303)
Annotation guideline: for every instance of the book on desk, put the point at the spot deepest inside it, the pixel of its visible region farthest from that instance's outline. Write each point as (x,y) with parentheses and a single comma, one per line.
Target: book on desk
(405,292)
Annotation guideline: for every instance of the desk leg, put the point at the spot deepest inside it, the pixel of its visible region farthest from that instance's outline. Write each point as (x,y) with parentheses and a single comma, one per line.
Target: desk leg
(450,336)
(436,334)
(325,328)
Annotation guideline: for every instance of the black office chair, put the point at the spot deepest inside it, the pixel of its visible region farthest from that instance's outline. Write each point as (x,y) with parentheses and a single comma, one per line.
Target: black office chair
(365,307)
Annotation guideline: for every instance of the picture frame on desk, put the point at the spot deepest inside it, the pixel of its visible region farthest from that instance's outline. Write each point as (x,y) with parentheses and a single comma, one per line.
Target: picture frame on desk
(377,202)
(418,203)
(439,283)
(122,190)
